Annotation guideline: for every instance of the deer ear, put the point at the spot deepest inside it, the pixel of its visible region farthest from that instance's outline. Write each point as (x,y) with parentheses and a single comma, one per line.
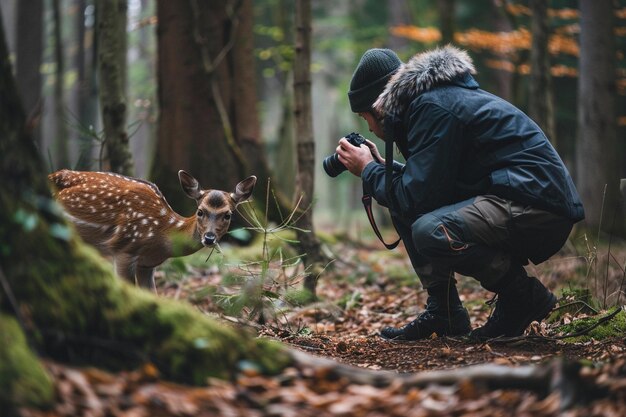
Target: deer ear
(190,185)
(243,190)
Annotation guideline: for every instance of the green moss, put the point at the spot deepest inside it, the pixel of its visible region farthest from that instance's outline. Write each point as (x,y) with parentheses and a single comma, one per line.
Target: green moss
(88,316)
(184,344)
(81,313)
(23,380)
(615,327)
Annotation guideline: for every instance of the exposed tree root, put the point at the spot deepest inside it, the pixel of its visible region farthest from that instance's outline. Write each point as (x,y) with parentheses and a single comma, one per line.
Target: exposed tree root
(557,376)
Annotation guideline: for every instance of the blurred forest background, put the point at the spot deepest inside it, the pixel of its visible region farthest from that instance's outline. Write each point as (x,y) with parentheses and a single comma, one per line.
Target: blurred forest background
(226,89)
(148,87)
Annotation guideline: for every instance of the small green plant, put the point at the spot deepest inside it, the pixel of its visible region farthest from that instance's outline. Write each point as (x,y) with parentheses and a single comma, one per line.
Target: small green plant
(598,265)
(264,290)
(350,300)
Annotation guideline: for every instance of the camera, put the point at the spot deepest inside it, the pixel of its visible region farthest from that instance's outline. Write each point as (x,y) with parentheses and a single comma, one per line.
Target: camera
(331,163)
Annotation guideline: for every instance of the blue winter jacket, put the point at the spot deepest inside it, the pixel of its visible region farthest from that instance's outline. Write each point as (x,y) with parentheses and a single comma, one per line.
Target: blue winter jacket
(460,141)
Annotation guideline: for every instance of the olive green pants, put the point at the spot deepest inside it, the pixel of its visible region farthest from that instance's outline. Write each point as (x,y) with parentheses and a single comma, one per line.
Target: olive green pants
(483,237)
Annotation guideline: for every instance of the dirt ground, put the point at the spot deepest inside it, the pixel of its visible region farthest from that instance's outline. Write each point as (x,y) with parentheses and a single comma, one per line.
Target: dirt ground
(368,289)
(364,291)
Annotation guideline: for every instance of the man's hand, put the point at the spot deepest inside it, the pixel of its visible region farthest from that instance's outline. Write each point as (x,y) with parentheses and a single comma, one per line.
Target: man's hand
(354,158)
(374,151)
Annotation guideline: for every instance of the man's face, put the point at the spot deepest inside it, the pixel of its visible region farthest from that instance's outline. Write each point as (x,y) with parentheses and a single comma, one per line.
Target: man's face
(374,124)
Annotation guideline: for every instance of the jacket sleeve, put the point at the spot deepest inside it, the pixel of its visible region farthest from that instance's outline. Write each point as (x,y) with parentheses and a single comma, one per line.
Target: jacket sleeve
(434,143)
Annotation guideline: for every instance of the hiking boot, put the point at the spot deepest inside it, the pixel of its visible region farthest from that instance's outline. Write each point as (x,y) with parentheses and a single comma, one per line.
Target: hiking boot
(515,311)
(434,319)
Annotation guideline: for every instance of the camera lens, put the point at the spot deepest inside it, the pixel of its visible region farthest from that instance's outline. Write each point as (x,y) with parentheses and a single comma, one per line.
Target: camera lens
(332,166)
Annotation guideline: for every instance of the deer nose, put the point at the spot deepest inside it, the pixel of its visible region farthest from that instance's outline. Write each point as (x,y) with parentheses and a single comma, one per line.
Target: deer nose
(209,239)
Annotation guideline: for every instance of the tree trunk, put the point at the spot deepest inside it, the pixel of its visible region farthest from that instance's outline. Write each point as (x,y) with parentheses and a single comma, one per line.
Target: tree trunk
(67,300)
(309,244)
(541,99)
(142,109)
(29,56)
(505,81)
(9,14)
(207,99)
(446,20)
(597,161)
(277,96)
(86,99)
(190,134)
(247,130)
(399,14)
(60,132)
(112,19)
(286,155)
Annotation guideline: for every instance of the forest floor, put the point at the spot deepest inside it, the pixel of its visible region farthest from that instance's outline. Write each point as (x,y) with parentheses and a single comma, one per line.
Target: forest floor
(363,290)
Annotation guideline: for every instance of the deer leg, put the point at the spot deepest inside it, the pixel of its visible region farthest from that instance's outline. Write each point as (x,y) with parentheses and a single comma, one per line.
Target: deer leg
(125,266)
(145,277)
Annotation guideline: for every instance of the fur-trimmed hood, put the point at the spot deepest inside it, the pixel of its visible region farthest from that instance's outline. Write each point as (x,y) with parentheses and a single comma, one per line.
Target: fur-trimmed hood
(421,73)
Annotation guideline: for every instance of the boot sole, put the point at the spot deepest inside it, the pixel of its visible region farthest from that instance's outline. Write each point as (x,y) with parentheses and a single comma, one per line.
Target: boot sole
(439,334)
(448,332)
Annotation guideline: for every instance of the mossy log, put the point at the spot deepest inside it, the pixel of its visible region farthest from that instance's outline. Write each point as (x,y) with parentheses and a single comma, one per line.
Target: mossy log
(75,310)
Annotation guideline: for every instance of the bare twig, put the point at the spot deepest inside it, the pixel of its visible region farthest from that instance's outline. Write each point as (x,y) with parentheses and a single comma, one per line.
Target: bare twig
(595,278)
(562,306)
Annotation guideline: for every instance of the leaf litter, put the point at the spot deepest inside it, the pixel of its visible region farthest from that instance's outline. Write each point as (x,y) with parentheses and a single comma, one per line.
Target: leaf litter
(343,326)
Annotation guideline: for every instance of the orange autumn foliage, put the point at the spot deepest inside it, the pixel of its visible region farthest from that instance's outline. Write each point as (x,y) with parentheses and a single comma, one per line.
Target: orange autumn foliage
(414,33)
(499,42)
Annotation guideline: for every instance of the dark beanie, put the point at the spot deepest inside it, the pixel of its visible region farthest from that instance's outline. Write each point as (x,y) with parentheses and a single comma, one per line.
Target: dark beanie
(370,77)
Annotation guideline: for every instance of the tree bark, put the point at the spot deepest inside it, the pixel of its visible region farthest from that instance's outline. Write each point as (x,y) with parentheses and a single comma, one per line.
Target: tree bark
(29,56)
(309,243)
(60,132)
(597,161)
(66,298)
(207,122)
(86,99)
(248,129)
(399,14)
(541,99)
(190,134)
(112,19)
(505,81)
(277,96)
(446,20)
(142,109)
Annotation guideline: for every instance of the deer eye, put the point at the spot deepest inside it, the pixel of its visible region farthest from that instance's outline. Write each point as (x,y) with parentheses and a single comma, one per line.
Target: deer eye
(227,216)
(200,213)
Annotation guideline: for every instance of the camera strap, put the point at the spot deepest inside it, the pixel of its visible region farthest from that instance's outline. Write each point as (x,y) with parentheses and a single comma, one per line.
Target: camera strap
(367,204)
